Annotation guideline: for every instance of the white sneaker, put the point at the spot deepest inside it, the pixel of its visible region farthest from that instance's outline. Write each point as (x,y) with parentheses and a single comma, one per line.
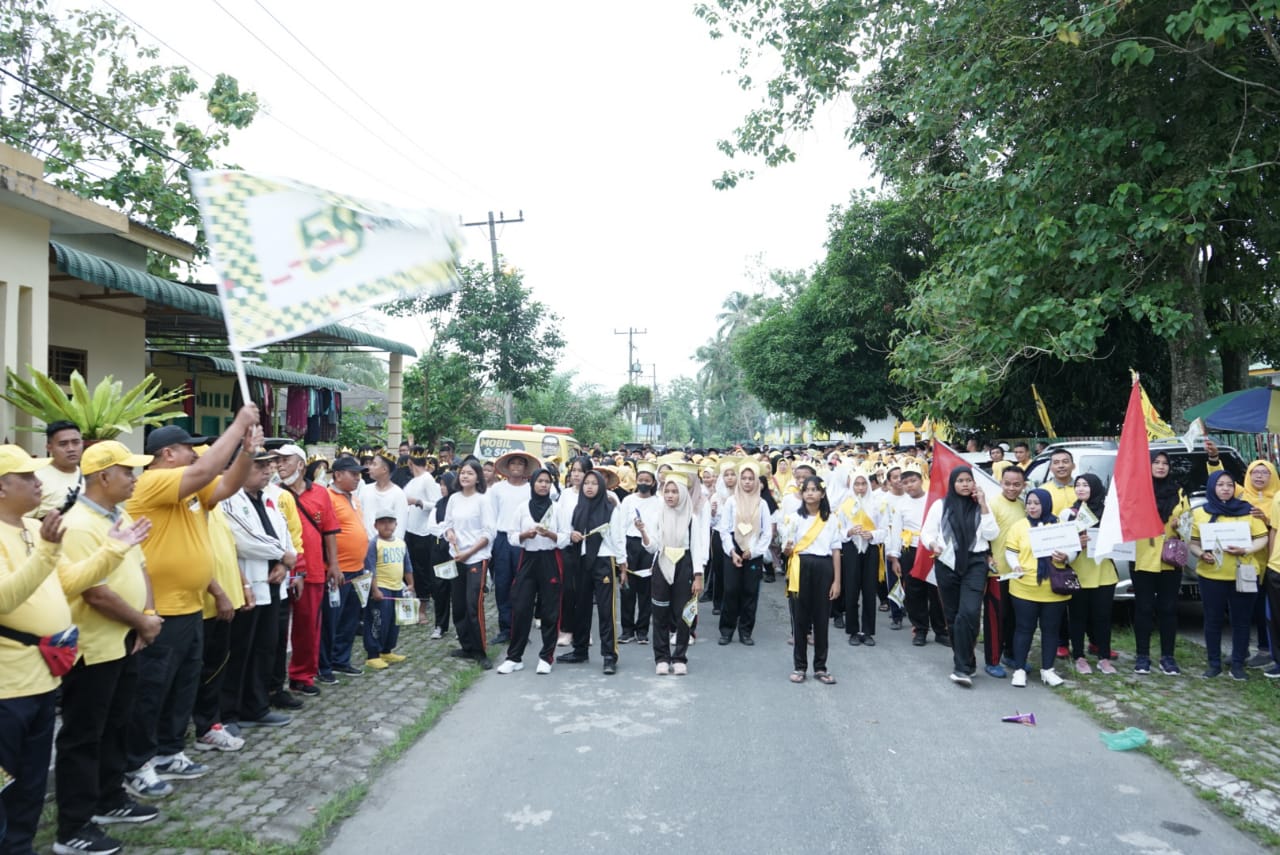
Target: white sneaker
(437,634)
(565,639)
(144,783)
(216,738)
(1050,678)
(510,665)
(663,669)
(1019,679)
(544,667)
(680,669)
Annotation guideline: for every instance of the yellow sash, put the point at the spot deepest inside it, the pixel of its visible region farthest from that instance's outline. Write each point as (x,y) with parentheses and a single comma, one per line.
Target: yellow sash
(908,537)
(793,563)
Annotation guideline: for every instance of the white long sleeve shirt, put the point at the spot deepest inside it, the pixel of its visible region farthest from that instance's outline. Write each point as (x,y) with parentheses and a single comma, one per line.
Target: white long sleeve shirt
(422,489)
(936,542)
(470,518)
(507,501)
(759,545)
(537,543)
(375,503)
(256,548)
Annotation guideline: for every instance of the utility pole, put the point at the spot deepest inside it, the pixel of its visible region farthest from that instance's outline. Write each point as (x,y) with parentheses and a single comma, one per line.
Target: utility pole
(634,368)
(493,247)
(655,412)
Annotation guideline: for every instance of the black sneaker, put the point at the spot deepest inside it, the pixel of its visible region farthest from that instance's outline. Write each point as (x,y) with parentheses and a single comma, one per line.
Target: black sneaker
(855,640)
(88,839)
(626,638)
(484,662)
(283,700)
(943,639)
(895,624)
(348,670)
(327,679)
(725,639)
(304,689)
(500,638)
(1238,674)
(610,667)
(919,640)
(129,811)
(642,639)
(839,622)
(869,640)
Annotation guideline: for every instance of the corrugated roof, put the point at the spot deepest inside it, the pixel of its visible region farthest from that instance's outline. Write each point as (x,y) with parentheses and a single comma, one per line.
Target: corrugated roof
(100,271)
(224,365)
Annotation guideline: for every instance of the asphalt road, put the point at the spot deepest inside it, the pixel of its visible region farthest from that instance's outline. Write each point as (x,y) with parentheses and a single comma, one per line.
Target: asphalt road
(734,758)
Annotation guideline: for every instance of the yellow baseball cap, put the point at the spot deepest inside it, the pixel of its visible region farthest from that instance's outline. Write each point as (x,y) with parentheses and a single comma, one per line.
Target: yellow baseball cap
(108,453)
(15,460)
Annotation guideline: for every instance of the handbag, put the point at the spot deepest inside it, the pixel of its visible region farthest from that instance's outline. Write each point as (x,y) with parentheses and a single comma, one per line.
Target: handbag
(60,651)
(1063,580)
(1174,552)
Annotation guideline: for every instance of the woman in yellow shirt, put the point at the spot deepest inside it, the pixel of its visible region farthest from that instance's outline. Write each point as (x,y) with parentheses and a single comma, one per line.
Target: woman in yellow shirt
(1032,597)
(1223,571)
(1091,605)
(1156,581)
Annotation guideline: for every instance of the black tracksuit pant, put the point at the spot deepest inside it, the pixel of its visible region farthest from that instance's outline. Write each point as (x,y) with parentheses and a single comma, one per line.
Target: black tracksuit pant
(669,600)
(637,604)
(812,610)
(860,574)
(741,596)
(537,579)
(597,581)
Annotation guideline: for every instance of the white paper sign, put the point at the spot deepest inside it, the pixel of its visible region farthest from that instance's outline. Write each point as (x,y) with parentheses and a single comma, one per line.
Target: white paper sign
(1121,551)
(1048,539)
(1222,535)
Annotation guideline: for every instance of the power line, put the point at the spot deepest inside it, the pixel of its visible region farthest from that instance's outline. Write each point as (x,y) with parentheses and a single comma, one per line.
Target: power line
(263,109)
(412,141)
(29,146)
(51,96)
(322,93)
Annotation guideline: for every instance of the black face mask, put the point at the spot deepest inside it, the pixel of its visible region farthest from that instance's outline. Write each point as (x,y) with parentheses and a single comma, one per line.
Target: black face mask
(644,489)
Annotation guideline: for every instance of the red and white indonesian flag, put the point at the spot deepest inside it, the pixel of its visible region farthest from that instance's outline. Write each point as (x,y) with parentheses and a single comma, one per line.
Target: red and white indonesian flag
(1130,513)
(292,258)
(945,460)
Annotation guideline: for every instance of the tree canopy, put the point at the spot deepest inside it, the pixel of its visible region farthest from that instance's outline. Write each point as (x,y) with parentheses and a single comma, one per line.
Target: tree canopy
(111,122)
(1073,170)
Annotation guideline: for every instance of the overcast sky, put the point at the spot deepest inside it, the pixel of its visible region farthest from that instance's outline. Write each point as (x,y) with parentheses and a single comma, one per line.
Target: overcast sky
(597,119)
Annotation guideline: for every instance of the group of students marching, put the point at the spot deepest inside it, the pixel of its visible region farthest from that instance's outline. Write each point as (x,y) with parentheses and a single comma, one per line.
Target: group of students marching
(638,546)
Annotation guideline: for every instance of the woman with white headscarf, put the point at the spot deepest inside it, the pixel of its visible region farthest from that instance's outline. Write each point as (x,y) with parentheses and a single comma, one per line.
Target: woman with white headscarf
(680,542)
(745,532)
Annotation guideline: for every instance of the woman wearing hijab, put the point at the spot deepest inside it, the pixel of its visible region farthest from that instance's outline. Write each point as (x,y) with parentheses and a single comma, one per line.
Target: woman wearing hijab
(811,543)
(1155,581)
(432,586)
(679,542)
(1259,489)
(1225,571)
(959,530)
(469,529)
(771,560)
(537,577)
(1034,600)
(1090,608)
(570,562)
(724,489)
(745,534)
(867,521)
(598,535)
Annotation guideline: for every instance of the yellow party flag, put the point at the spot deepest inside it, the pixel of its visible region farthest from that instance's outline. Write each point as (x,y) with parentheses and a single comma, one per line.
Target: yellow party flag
(1043,413)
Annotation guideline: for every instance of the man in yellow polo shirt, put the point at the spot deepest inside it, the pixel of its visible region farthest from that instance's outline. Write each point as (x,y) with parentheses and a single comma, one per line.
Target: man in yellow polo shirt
(116,619)
(33,606)
(175,492)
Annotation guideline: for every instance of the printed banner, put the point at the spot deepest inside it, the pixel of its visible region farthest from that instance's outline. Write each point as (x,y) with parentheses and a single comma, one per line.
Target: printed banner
(292,258)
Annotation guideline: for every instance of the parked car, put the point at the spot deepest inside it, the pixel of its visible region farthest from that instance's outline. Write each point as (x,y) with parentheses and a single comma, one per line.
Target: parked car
(1189,468)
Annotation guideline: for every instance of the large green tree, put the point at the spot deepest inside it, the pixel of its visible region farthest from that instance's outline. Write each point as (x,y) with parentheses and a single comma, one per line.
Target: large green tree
(822,354)
(112,123)
(1074,170)
(442,400)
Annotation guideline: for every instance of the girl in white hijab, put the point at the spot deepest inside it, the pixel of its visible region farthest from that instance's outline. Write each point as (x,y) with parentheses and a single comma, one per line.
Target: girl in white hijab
(679,539)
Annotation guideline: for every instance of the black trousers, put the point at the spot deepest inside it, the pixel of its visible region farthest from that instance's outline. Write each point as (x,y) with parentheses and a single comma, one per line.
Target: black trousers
(1090,611)
(924,606)
(207,710)
(168,675)
(997,621)
(961,590)
(1271,592)
(741,596)
(571,584)
(1155,603)
(278,676)
(423,551)
(97,702)
(812,610)
(598,581)
(669,600)
(715,570)
(537,580)
(636,595)
(253,650)
(860,572)
(468,607)
(1026,614)
(26,740)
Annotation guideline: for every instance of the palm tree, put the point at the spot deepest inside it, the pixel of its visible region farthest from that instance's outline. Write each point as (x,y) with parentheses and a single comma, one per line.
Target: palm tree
(353,367)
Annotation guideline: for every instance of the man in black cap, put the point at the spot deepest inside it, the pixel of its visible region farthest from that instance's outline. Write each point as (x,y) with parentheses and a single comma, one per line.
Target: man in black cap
(180,566)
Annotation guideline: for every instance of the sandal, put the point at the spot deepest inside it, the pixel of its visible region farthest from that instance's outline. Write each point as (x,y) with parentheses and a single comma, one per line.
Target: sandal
(797,676)
(824,678)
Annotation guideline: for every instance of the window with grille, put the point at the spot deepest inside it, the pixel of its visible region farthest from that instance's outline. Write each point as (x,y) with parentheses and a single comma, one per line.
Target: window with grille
(64,360)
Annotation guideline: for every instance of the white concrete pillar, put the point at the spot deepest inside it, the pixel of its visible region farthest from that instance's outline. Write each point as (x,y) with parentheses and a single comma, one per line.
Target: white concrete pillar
(395,399)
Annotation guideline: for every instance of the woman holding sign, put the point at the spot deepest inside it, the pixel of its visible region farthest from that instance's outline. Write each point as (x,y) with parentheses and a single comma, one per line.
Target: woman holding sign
(1224,532)
(680,540)
(1090,607)
(1034,600)
(537,576)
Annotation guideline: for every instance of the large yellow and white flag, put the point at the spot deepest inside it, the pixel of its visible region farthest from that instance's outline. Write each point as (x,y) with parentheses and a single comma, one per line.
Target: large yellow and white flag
(291,257)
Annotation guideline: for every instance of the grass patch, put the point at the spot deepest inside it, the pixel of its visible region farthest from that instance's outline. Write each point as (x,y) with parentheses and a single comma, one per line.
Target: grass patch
(249,773)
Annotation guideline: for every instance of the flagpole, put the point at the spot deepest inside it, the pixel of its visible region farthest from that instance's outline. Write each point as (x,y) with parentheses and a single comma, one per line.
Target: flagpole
(244,382)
